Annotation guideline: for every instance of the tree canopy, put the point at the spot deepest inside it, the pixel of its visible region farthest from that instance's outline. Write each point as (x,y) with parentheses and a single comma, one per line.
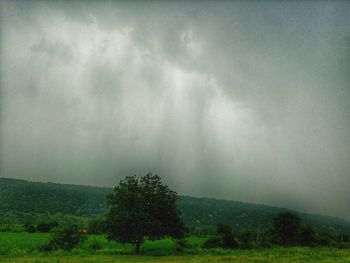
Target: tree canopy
(286,228)
(143,207)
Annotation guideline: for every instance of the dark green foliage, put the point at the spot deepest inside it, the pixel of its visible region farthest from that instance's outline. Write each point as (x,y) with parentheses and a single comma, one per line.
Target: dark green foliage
(34,197)
(65,238)
(343,238)
(202,214)
(228,239)
(97,226)
(213,242)
(23,201)
(225,238)
(46,227)
(326,239)
(264,240)
(43,227)
(247,240)
(95,245)
(47,247)
(307,236)
(286,229)
(223,229)
(143,207)
(181,245)
(29,228)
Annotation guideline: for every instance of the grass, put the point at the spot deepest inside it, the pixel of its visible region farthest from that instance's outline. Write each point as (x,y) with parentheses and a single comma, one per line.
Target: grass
(22,247)
(24,243)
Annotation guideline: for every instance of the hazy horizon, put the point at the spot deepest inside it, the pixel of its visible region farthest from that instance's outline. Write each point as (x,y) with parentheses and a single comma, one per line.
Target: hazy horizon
(241,100)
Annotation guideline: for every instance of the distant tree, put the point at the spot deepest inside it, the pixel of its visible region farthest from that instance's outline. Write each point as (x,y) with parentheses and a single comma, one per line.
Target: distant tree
(286,229)
(228,239)
(343,238)
(247,239)
(224,239)
(142,207)
(326,239)
(307,236)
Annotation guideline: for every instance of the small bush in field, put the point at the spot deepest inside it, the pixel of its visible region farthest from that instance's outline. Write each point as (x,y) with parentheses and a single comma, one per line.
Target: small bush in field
(47,247)
(44,228)
(95,245)
(246,240)
(213,242)
(181,245)
(29,228)
(65,238)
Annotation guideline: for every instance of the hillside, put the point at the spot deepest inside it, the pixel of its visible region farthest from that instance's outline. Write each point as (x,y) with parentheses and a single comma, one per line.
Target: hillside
(22,200)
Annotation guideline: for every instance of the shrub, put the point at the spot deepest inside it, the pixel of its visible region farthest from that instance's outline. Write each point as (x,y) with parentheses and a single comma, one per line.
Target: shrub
(264,240)
(97,226)
(213,242)
(95,245)
(228,239)
(307,236)
(325,239)
(181,245)
(246,240)
(43,228)
(65,238)
(29,228)
(225,238)
(47,247)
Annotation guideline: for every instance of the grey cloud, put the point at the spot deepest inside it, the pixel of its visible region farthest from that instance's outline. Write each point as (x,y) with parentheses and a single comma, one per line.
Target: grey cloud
(54,51)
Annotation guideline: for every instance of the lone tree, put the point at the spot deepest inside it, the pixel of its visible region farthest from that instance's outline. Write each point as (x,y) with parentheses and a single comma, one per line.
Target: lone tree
(142,207)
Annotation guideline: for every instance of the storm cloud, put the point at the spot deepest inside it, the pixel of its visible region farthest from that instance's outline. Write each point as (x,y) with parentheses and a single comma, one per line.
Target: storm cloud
(239,100)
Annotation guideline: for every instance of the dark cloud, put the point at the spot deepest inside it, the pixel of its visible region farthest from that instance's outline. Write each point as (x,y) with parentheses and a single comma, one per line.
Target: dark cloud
(239,100)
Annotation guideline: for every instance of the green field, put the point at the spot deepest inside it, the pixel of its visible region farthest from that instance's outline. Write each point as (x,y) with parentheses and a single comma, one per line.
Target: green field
(23,247)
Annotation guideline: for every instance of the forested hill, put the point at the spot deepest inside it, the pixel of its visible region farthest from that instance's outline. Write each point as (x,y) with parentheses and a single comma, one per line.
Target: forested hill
(199,214)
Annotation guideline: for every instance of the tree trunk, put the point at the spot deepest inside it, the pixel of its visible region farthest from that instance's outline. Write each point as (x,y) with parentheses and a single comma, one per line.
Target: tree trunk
(137,248)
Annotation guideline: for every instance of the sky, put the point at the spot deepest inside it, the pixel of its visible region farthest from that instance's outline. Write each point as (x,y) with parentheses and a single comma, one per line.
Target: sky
(239,100)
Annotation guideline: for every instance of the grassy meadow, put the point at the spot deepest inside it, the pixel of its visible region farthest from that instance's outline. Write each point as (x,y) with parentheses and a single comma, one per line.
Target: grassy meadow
(24,247)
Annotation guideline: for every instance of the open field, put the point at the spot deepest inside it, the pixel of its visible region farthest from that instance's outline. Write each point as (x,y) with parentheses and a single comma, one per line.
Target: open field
(23,247)
(265,255)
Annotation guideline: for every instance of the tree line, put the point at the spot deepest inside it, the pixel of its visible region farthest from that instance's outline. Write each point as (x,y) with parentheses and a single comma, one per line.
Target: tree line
(143,208)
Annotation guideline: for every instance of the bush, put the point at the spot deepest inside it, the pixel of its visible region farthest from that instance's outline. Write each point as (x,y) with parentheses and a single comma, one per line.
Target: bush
(181,245)
(246,240)
(213,242)
(225,238)
(43,228)
(29,228)
(97,226)
(325,239)
(264,240)
(307,236)
(228,239)
(47,247)
(65,238)
(95,245)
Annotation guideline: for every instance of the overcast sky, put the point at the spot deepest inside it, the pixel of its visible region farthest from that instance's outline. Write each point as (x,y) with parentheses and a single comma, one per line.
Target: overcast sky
(244,101)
